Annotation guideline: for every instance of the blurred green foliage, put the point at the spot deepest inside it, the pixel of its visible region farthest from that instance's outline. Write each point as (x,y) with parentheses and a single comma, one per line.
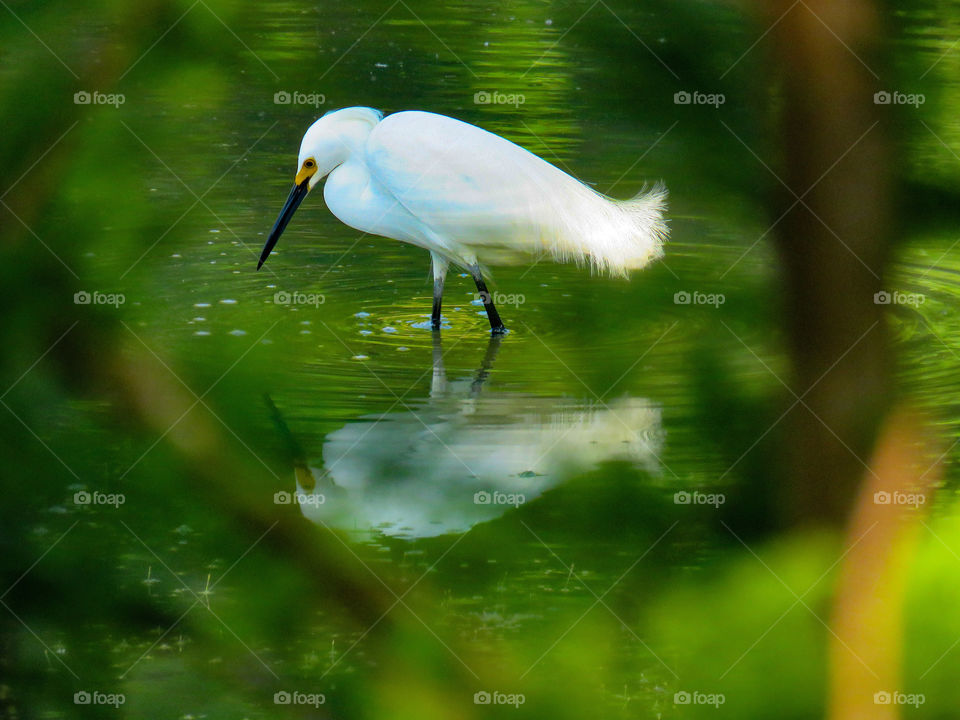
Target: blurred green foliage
(199,596)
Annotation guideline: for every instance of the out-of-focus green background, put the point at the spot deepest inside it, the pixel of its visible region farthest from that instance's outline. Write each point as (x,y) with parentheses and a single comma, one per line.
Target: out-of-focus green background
(158,393)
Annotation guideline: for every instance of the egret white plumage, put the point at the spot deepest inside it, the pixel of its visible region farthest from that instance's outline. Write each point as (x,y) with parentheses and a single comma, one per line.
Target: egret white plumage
(468,196)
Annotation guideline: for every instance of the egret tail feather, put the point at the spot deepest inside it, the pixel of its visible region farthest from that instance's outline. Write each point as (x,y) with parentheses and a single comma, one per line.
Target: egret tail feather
(646,210)
(612,236)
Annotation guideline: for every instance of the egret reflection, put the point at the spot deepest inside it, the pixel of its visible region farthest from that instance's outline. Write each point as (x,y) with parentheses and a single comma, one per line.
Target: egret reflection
(465,455)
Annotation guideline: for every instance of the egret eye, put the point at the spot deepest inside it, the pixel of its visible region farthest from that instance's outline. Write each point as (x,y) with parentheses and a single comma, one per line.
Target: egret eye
(309,164)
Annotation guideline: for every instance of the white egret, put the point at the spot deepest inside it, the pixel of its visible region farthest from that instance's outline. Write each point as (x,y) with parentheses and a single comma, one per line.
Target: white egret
(468,196)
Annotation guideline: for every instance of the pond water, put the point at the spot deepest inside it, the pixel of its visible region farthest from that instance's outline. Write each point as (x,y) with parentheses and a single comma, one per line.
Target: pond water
(513,481)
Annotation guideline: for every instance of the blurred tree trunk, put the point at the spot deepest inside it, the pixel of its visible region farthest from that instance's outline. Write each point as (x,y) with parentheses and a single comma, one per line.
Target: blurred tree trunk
(867,618)
(833,243)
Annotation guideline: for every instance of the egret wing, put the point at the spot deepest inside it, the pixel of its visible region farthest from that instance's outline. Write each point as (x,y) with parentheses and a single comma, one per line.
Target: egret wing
(467,185)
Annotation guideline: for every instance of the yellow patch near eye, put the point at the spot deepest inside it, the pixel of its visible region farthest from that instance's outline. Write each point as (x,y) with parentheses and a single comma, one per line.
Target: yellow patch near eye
(306,172)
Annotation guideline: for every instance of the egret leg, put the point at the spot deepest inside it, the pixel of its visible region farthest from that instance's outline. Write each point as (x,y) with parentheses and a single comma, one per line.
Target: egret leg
(496,324)
(440,265)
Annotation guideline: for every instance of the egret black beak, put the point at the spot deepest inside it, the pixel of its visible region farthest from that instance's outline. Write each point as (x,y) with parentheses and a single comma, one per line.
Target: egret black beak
(297,194)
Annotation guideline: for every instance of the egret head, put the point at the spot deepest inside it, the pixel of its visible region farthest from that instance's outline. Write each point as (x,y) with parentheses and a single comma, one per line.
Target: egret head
(326,144)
